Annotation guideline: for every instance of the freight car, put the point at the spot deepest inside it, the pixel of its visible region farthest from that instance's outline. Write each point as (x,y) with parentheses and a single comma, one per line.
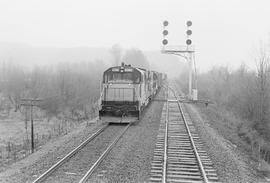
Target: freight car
(126,91)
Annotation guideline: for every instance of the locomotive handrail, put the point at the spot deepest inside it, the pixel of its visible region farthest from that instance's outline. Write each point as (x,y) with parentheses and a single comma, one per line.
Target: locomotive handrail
(100,97)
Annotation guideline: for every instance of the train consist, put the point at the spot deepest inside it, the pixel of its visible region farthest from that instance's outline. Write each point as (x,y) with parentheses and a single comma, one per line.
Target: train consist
(126,91)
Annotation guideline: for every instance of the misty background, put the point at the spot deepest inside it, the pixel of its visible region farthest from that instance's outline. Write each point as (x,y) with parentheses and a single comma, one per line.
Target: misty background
(45,32)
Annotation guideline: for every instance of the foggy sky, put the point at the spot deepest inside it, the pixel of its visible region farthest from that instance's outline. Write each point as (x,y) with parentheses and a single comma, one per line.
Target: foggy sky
(225,32)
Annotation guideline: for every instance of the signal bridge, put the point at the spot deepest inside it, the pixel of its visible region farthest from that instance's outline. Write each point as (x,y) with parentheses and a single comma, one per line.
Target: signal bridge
(187,52)
(174,49)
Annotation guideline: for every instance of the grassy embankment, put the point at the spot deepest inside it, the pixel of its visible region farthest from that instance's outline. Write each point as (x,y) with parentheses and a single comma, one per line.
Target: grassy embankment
(240,134)
(15,138)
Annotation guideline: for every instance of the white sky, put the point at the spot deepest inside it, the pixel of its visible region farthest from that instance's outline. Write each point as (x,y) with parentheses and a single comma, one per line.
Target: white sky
(224,31)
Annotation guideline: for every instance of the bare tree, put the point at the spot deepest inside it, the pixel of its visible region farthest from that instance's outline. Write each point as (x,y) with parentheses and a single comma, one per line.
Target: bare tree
(262,63)
(14,85)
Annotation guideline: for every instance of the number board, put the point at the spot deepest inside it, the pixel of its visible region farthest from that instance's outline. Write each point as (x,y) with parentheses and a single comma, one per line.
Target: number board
(128,70)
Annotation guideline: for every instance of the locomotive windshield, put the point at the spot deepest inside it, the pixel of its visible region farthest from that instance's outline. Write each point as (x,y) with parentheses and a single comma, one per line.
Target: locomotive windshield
(120,76)
(126,77)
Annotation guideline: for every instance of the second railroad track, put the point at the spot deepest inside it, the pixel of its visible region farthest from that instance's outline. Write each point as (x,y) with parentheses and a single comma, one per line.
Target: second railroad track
(79,164)
(179,155)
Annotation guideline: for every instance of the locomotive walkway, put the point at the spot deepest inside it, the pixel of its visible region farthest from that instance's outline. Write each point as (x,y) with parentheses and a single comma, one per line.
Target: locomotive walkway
(179,155)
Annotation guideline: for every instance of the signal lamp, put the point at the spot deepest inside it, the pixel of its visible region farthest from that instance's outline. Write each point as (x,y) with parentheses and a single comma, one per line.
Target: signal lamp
(189,23)
(188,42)
(165,23)
(165,33)
(165,41)
(189,32)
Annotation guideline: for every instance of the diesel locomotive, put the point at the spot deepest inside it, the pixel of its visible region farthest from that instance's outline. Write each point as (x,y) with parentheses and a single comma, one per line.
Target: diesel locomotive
(126,91)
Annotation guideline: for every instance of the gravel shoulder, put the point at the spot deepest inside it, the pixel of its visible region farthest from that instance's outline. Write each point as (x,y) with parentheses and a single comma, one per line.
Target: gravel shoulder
(28,169)
(231,163)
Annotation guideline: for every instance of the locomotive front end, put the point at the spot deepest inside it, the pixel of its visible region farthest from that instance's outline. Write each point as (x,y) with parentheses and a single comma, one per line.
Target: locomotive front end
(120,95)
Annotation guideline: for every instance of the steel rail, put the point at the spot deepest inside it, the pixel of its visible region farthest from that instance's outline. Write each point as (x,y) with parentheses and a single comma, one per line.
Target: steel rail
(191,140)
(164,177)
(68,156)
(95,165)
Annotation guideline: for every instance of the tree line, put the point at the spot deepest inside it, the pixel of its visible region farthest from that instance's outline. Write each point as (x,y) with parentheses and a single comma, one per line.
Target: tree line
(68,90)
(243,91)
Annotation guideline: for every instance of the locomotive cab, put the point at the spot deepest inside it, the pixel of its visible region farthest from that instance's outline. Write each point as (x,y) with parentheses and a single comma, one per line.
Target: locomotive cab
(122,94)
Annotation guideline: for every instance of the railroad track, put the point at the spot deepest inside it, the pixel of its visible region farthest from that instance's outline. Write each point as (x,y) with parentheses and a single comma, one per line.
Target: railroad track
(75,167)
(179,155)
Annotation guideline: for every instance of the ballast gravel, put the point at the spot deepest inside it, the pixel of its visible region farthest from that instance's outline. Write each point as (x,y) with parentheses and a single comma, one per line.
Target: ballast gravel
(130,160)
(76,167)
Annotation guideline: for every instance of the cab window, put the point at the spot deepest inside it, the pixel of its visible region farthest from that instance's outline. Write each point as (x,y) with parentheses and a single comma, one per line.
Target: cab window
(133,77)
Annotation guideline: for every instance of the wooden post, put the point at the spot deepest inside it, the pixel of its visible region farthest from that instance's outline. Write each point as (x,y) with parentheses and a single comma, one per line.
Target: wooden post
(30,102)
(32,130)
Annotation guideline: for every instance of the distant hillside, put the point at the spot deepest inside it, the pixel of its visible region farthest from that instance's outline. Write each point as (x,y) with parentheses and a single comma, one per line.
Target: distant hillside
(29,56)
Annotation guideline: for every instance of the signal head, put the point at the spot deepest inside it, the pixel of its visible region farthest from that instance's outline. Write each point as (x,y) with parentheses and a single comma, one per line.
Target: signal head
(165,41)
(165,23)
(189,32)
(189,23)
(165,33)
(188,42)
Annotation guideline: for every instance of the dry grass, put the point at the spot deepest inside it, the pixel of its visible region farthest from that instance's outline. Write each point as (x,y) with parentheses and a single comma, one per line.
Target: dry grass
(15,138)
(239,133)
(224,122)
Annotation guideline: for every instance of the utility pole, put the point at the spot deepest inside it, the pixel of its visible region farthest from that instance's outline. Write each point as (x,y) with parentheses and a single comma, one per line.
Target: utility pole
(30,102)
(186,52)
